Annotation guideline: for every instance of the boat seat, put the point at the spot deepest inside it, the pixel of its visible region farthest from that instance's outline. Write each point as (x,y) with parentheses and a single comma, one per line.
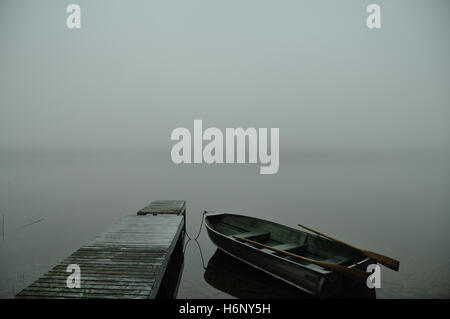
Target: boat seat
(285,247)
(338,260)
(289,246)
(254,235)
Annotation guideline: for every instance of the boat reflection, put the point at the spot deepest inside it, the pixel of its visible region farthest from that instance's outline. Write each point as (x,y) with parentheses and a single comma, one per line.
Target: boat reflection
(240,280)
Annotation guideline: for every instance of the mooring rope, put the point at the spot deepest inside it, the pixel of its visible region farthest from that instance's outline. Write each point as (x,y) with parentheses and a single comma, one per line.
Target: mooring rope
(200,229)
(199,249)
(195,239)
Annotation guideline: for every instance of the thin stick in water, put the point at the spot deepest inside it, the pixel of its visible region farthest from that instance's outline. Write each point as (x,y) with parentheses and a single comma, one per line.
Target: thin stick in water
(37,221)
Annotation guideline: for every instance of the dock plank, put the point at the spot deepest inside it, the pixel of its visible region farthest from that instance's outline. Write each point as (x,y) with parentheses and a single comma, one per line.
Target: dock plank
(164,207)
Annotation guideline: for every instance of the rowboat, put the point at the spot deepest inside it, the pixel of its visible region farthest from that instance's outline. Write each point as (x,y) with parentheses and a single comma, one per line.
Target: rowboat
(244,238)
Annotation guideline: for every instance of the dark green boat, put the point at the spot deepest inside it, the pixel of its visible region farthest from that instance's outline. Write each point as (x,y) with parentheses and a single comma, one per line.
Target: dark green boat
(304,275)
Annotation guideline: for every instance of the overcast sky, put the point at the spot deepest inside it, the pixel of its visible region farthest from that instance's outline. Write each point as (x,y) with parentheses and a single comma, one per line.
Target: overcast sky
(138,69)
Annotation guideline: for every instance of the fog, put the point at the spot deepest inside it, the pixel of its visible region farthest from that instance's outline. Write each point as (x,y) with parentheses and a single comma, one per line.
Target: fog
(86,117)
(137,70)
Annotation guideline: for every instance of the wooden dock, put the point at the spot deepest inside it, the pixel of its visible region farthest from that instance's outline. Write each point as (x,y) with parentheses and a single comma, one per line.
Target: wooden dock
(139,257)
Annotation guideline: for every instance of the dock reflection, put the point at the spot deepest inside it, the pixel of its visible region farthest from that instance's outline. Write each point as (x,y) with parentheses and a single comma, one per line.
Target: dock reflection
(240,280)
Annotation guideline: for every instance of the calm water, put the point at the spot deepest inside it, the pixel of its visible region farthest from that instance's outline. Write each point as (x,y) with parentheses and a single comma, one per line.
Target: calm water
(394,203)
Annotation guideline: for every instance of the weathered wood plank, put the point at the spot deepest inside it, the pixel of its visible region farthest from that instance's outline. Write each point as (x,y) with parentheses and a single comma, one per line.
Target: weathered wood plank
(164,207)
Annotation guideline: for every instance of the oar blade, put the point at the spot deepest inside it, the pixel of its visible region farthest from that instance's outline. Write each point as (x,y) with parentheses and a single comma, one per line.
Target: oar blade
(384,260)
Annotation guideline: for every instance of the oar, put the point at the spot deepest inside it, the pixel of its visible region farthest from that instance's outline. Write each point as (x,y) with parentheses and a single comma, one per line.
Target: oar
(348,271)
(384,260)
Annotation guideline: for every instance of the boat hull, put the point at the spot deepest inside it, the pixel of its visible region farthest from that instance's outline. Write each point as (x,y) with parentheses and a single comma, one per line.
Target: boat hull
(321,284)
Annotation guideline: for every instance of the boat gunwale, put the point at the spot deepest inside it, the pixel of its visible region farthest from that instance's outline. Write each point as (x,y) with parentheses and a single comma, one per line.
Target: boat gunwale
(323,272)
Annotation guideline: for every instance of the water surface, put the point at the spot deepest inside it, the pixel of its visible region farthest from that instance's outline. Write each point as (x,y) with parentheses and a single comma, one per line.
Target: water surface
(391,202)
